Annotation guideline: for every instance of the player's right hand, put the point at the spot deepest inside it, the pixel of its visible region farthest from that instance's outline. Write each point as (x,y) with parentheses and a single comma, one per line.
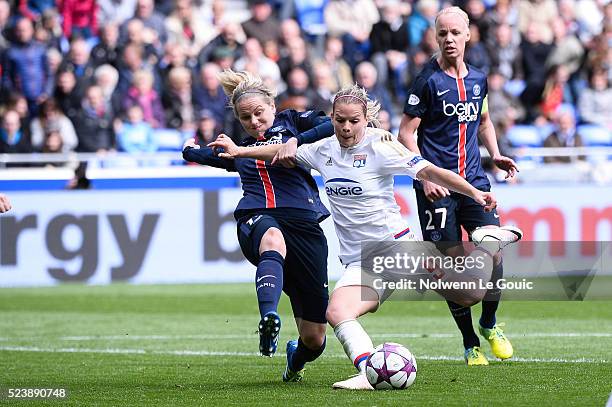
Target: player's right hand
(226,147)
(433,192)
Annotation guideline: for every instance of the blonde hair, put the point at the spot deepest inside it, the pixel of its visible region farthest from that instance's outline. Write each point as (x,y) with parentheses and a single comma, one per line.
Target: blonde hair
(238,84)
(357,94)
(454,10)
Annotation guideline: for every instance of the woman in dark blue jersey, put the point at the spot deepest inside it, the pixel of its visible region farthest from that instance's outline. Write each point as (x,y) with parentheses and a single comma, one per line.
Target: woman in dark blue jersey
(278,218)
(447,107)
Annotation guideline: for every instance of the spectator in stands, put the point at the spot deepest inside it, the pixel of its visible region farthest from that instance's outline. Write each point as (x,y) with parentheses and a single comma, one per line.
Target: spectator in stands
(79,18)
(94,123)
(50,119)
(208,94)
(230,40)
(298,86)
(68,95)
(569,52)
(257,63)
(505,52)
(143,94)
(262,25)
(132,62)
(154,30)
(13,138)
(136,33)
(542,13)
(533,52)
(565,135)
(390,43)
(556,92)
(504,109)
(341,71)
(54,61)
(352,20)
(17,102)
(366,77)
(115,11)
(106,77)
(25,66)
(177,100)
(297,57)
(107,50)
(135,135)
(175,56)
(184,26)
(476,53)
(595,104)
(207,128)
(49,30)
(289,32)
(324,85)
(422,18)
(78,61)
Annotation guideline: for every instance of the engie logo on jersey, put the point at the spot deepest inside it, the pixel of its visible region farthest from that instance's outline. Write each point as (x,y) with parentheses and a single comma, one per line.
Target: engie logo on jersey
(465,111)
(343,187)
(359,160)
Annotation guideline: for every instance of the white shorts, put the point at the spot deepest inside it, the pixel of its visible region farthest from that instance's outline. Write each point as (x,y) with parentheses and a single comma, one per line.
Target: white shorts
(354,275)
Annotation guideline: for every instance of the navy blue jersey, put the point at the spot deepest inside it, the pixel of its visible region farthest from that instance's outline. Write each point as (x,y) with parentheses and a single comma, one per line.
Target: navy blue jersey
(450,110)
(268,186)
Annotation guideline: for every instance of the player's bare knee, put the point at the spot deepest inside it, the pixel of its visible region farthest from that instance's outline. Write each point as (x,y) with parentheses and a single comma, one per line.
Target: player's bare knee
(336,313)
(315,338)
(273,240)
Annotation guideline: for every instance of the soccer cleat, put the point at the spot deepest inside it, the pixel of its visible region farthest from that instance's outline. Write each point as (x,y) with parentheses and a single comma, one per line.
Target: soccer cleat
(269,330)
(290,375)
(500,344)
(357,382)
(496,238)
(475,357)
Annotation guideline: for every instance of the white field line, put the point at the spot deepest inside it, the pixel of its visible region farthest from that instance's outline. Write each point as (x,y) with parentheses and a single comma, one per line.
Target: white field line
(250,335)
(217,353)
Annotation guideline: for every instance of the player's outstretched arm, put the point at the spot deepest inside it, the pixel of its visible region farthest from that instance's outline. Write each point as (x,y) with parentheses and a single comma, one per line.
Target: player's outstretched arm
(456,183)
(231,150)
(5,204)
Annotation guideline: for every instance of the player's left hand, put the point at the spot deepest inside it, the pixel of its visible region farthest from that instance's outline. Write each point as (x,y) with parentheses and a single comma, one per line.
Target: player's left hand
(507,164)
(230,150)
(486,199)
(286,155)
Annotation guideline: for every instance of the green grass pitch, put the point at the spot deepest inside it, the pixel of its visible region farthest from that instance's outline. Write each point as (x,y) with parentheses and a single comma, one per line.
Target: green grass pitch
(196,345)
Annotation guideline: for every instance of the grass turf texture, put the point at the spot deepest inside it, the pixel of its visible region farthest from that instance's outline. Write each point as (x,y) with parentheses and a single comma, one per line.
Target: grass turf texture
(196,345)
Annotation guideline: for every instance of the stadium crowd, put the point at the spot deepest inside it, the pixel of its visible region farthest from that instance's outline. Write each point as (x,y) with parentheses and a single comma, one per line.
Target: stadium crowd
(99,75)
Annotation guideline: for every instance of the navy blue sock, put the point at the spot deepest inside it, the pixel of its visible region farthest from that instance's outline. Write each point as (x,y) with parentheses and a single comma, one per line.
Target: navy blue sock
(463,319)
(304,354)
(491,301)
(269,281)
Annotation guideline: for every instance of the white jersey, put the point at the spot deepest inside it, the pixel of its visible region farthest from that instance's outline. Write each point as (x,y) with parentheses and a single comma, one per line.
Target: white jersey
(359,185)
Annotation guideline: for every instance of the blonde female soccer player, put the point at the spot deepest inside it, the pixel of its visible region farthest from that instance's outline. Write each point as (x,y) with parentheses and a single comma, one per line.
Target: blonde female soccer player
(357,167)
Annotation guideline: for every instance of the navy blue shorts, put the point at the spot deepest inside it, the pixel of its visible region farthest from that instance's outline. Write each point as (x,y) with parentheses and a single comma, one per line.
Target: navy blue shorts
(305,269)
(441,220)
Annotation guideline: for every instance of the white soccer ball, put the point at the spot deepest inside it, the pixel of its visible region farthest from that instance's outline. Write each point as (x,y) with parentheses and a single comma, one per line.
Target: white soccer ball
(391,366)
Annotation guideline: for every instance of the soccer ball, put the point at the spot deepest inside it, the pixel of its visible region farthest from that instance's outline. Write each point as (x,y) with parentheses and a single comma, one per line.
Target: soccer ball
(391,366)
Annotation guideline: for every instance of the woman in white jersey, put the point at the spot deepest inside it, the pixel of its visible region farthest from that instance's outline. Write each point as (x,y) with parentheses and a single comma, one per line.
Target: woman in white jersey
(357,167)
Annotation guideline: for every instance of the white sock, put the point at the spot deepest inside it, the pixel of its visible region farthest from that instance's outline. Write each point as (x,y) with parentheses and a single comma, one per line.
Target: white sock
(355,341)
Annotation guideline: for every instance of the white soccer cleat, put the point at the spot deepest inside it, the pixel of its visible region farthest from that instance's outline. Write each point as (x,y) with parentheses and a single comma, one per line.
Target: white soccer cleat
(496,237)
(357,382)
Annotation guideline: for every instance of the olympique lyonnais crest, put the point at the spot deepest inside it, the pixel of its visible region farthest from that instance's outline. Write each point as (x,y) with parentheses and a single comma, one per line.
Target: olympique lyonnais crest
(359,160)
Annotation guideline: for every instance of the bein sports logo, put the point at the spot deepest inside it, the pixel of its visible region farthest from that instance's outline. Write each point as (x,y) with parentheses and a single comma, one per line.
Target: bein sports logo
(465,111)
(339,187)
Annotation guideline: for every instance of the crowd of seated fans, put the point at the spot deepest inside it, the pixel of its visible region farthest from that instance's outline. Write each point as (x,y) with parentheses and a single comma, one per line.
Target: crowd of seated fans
(100,75)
